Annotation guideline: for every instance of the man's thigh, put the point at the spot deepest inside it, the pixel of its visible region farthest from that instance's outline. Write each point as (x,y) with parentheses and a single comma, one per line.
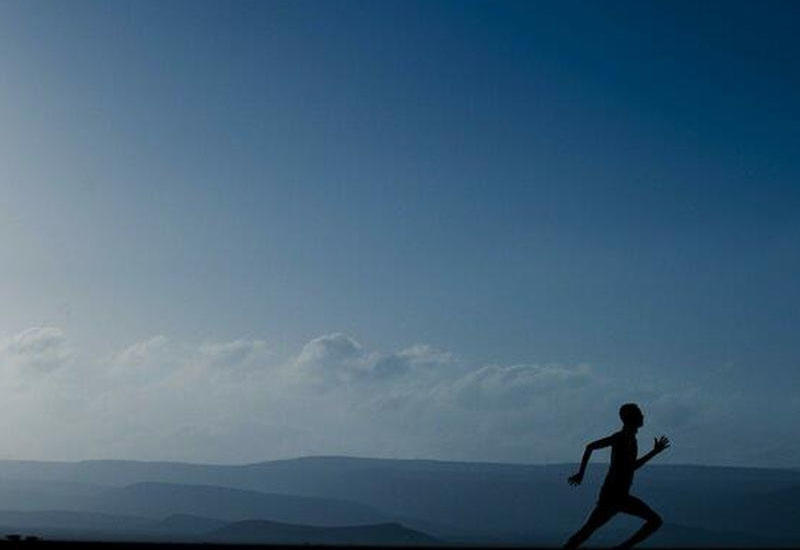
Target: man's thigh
(600,515)
(637,507)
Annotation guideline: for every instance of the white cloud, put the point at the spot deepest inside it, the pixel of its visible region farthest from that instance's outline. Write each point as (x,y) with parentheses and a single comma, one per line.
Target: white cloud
(421,361)
(331,359)
(513,387)
(336,359)
(140,352)
(236,401)
(236,354)
(37,350)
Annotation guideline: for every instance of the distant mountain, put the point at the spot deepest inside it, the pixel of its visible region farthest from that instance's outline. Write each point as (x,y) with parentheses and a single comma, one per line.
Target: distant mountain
(270,532)
(455,501)
(188,525)
(67,519)
(67,525)
(27,494)
(160,500)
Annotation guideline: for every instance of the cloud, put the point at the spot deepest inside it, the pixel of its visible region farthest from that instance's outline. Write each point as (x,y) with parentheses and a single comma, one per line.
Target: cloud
(37,350)
(237,401)
(332,359)
(337,359)
(143,363)
(236,354)
(419,360)
(140,352)
(499,387)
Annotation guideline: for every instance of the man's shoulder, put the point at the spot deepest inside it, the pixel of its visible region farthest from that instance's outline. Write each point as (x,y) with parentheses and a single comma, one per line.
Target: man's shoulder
(622,436)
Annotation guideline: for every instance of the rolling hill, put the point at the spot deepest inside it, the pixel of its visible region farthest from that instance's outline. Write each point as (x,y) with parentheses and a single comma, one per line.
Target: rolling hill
(454,501)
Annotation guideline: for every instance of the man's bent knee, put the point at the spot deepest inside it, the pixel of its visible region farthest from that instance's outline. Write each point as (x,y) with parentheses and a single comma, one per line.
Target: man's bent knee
(655,521)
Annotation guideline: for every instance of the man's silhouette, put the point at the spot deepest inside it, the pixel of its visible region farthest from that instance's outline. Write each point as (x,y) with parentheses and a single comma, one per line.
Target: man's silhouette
(614,496)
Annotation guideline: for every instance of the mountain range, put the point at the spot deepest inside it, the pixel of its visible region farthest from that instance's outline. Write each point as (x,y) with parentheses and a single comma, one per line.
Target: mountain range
(391,501)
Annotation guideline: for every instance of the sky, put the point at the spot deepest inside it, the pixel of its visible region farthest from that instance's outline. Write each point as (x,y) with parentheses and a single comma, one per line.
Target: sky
(235,232)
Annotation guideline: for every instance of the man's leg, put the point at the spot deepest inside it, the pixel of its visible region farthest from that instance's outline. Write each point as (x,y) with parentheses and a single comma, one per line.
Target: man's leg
(635,507)
(599,516)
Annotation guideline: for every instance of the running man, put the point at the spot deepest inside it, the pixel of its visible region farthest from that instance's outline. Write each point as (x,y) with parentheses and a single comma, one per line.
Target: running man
(614,496)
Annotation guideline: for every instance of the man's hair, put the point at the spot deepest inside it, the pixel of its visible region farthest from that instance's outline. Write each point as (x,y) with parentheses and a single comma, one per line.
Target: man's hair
(628,412)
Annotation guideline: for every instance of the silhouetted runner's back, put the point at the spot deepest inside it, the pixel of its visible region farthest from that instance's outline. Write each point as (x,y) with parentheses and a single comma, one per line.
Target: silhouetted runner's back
(614,495)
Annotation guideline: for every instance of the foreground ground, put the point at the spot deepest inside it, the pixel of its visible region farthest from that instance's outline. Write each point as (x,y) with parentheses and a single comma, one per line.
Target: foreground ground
(91,545)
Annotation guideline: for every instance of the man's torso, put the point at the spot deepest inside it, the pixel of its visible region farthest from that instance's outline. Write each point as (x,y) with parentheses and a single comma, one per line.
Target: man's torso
(623,462)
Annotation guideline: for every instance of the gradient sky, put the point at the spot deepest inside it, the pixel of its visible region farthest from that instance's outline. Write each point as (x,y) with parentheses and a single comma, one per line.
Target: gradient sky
(536,209)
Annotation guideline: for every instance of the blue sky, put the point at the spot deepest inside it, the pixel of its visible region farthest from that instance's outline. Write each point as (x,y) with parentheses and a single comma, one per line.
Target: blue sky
(549,185)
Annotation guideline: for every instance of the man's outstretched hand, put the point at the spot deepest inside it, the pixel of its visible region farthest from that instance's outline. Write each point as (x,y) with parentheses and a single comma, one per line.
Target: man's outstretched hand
(660,443)
(575,480)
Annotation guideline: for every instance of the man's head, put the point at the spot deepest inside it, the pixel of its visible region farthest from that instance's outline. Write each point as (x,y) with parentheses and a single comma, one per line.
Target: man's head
(631,415)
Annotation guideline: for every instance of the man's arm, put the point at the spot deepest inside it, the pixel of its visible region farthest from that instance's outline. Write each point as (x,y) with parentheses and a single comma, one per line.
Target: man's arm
(659,444)
(599,444)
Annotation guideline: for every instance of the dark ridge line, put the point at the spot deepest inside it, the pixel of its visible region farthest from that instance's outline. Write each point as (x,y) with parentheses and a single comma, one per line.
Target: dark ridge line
(432,461)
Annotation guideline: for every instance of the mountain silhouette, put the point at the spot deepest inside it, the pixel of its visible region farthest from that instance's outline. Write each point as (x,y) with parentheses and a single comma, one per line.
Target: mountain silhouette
(68,519)
(187,524)
(481,503)
(271,532)
(160,500)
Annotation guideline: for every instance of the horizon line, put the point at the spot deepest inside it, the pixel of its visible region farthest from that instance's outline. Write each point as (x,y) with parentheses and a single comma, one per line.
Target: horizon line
(387,459)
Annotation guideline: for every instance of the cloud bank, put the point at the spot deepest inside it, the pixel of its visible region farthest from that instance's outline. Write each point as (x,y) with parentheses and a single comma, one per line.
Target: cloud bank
(237,401)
